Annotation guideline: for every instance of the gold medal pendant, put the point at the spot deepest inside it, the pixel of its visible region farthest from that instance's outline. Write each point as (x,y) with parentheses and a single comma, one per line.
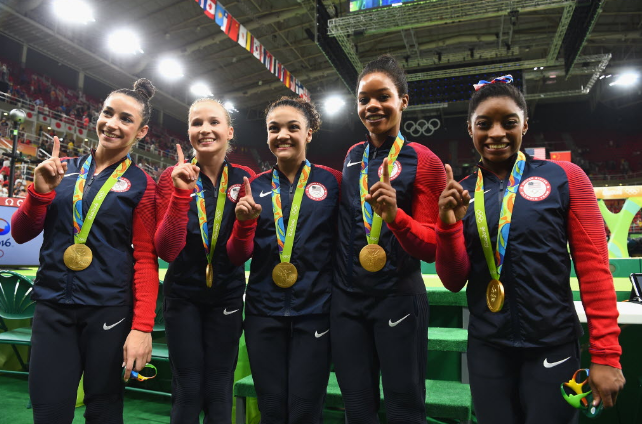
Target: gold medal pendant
(285,275)
(372,257)
(209,275)
(495,296)
(77,257)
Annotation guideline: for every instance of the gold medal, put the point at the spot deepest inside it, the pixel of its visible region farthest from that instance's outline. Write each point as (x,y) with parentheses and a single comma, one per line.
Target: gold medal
(495,295)
(77,257)
(284,275)
(209,275)
(372,257)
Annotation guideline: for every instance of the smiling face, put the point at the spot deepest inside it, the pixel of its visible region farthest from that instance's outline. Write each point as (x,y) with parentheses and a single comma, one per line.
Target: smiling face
(119,124)
(497,127)
(209,130)
(380,106)
(288,134)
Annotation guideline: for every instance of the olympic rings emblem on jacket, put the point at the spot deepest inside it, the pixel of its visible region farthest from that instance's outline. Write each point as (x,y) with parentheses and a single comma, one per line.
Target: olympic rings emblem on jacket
(422,126)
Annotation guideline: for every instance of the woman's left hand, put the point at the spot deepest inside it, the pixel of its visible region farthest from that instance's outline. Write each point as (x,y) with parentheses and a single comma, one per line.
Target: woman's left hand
(137,350)
(382,197)
(606,382)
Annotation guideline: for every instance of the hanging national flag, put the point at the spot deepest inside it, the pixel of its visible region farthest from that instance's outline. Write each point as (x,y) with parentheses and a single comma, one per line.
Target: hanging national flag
(209,8)
(286,77)
(226,22)
(242,35)
(249,45)
(277,68)
(233,31)
(30,115)
(256,51)
(57,125)
(536,152)
(70,128)
(81,132)
(219,16)
(563,155)
(201,3)
(267,61)
(44,119)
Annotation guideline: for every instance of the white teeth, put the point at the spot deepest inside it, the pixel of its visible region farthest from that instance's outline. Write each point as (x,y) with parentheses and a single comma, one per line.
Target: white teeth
(207,140)
(110,135)
(374,118)
(497,146)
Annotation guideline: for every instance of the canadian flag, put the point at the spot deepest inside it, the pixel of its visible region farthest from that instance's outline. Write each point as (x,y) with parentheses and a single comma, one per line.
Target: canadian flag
(81,132)
(57,125)
(44,119)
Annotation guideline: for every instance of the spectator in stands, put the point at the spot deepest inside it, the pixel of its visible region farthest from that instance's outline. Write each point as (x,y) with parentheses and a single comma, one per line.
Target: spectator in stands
(203,290)
(287,323)
(381,241)
(95,298)
(523,340)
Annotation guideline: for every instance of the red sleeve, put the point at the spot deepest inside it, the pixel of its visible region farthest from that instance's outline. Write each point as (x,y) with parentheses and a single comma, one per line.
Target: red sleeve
(29,220)
(145,286)
(452,262)
(416,234)
(587,240)
(240,245)
(172,207)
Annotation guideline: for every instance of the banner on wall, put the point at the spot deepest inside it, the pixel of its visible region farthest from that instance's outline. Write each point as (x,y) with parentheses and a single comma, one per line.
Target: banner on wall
(238,33)
(12,253)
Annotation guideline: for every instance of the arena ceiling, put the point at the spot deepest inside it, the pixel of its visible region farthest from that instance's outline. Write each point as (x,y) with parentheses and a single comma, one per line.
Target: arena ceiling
(574,42)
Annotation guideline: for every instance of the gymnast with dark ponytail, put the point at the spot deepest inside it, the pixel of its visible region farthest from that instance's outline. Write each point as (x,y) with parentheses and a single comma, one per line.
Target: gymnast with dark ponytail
(96,287)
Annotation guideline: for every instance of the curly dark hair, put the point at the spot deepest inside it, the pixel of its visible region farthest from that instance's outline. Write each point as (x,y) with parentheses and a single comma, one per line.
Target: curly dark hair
(308,109)
(389,66)
(143,91)
(497,90)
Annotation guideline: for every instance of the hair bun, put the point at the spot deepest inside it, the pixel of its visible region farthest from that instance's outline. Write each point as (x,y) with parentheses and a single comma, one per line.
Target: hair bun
(145,88)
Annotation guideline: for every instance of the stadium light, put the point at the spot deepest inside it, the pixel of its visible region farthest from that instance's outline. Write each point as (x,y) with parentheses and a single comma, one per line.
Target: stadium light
(334,104)
(73,11)
(229,106)
(124,41)
(170,68)
(626,79)
(200,89)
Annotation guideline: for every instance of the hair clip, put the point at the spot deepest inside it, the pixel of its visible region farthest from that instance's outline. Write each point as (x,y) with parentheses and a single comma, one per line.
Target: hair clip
(505,79)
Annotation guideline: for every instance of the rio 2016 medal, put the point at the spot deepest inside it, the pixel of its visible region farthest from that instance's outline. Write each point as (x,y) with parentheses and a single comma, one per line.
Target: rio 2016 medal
(284,275)
(495,295)
(77,257)
(372,257)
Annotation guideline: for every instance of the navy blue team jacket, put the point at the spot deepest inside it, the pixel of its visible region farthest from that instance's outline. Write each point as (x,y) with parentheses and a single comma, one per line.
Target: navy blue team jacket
(313,251)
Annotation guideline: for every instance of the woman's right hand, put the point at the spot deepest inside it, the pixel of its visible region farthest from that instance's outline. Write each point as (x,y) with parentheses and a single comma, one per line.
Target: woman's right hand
(184,174)
(453,202)
(246,208)
(50,172)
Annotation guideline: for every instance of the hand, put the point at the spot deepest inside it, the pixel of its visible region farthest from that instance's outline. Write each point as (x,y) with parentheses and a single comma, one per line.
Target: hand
(453,202)
(49,173)
(382,197)
(136,351)
(246,208)
(184,174)
(606,382)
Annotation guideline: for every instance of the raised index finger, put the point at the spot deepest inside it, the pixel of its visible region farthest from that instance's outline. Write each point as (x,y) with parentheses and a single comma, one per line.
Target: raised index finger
(449,173)
(179,153)
(248,187)
(386,172)
(55,152)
